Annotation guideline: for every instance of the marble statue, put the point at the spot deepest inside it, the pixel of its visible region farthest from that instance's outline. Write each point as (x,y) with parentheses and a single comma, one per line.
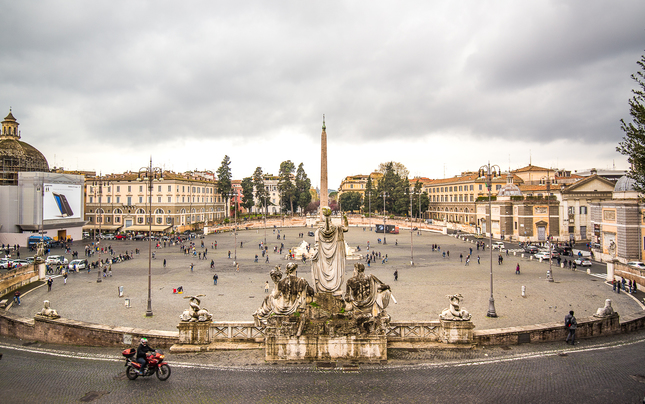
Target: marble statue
(454,313)
(47,311)
(605,311)
(612,249)
(195,313)
(265,310)
(366,298)
(328,261)
(40,252)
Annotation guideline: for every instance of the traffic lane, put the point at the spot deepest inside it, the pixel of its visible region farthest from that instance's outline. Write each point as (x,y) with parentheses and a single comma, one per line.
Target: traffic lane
(596,374)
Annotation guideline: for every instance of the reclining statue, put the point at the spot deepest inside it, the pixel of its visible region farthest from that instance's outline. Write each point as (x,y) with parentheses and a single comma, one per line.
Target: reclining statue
(454,313)
(195,313)
(605,311)
(288,297)
(366,297)
(47,311)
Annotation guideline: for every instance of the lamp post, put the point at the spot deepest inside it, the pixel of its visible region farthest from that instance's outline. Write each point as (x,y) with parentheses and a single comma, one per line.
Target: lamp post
(98,192)
(411,238)
(150,174)
(548,219)
(369,206)
(265,219)
(384,195)
(489,172)
(234,194)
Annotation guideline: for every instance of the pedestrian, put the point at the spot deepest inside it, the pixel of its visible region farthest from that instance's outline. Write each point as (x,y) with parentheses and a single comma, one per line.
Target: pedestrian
(212,264)
(478,259)
(237,267)
(164,262)
(16,297)
(571,324)
(467,260)
(192,266)
(50,282)
(65,278)
(461,257)
(267,260)
(396,275)
(229,254)
(613,284)
(266,287)
(517,269)
(215,278)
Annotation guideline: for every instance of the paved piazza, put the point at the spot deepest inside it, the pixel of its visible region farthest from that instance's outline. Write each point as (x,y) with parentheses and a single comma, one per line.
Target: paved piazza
(420,290)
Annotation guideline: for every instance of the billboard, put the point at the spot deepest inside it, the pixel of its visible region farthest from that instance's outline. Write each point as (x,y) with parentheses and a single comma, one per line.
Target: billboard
(62,201)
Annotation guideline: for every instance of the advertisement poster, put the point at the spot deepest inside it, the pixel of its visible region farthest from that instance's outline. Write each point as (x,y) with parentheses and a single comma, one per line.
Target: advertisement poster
(62,201)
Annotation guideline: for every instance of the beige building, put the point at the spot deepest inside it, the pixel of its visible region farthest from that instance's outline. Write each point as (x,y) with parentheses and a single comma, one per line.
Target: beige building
(357,183)
(179,202)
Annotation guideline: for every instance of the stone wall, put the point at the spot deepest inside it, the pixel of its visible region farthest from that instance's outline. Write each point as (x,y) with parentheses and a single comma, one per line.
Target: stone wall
(15,278)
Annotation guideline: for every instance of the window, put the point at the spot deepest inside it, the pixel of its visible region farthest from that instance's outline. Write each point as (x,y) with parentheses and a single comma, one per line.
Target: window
(91,199)
(471,187)
(472,197)
(183,188)
(583,211)
(169,188)
(118,199)
(169,220)
(129,188)
(441,189)
(140,220)
(109,199)
(571,210)
(461,199)
(450,190)
(129,201)
(117,220)
(480,188)
(516,229)
(183,199)
(118,188)
(107,219)
(583,232)
(141,199)
(460,188)
(159,220)
(158,199)
(169,199)
(140,188)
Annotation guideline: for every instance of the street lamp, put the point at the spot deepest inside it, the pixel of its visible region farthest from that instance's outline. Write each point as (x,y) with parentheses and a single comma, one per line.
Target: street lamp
(234,194)
(265,218)
(150,174)
(98,186)
(489,172)
(548,219)
(384,195)
(369,206)
(411,241)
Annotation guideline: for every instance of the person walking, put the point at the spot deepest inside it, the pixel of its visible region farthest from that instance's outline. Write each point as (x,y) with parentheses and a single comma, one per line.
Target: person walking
(215,278)
(467,260)
(396,275)
(50,282)
(192,266)
(16,297)
(517,269)
(164,262)
(266,287)
(461,257)
(571,324)
(478,259)
(65,278)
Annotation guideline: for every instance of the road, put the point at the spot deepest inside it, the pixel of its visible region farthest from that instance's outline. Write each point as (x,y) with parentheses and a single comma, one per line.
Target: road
(608,370)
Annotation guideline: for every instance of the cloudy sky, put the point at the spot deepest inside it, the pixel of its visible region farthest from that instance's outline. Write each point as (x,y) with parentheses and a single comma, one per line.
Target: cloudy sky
(440,86)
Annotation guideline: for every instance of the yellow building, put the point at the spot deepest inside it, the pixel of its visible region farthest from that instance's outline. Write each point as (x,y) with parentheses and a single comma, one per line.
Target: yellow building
(357,183)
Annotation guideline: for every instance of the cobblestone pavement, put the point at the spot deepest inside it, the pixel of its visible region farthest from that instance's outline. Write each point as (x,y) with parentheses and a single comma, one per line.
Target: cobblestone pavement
(603,370)
(420,290)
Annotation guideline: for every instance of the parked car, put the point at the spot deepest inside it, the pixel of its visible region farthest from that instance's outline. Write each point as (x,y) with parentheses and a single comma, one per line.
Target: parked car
(107,236)
(139,237)
(56,259)
(19,263)
(636,264)
(545,255)
(531,249)
(498,245)
(583,262)
(564,250)
(78,264)
(120,237)
(5,263)
(310,233)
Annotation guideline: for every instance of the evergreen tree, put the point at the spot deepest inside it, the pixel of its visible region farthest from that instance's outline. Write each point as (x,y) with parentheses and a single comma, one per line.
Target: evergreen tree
(350,201)
(371,198)
(260,190)
(633,144)
(303,185)
(247,193)
(285,185)
(224,179)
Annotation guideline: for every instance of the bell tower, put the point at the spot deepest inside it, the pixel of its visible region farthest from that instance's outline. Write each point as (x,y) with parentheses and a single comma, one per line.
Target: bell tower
(10,126)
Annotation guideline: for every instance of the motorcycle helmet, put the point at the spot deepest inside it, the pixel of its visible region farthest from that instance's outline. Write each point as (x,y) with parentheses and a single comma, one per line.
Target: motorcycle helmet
(144,340)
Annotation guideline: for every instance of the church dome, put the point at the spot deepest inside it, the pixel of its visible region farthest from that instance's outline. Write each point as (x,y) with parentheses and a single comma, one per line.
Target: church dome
(624,184)
(16,155)
(509,189)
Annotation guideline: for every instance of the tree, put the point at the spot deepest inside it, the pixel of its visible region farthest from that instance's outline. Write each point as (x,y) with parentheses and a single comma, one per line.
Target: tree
(633,144)
(260,189)
(371,199)
(285,185)
(398,168)
(247,193)
(350,201)
(303,185)
(224,179)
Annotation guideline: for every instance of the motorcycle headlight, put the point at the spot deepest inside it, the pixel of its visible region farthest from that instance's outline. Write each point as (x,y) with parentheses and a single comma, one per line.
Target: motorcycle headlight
(162,356)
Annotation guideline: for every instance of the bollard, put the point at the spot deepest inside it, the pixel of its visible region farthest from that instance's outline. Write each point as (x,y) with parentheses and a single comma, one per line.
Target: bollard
(540,259)
(127,303)
(562,265)
(589,271)
(523,291)
(120,291)
(514,253)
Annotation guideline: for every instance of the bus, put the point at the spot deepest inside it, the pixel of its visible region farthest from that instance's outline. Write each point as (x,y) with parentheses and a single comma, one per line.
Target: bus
(389,228)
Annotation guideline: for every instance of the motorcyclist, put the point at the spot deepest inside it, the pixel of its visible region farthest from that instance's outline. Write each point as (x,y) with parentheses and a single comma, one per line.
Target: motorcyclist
(142,350)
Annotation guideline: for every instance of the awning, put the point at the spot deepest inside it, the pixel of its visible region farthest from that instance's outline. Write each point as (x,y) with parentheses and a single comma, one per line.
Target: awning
(145,227)
(103,227)
(49,226)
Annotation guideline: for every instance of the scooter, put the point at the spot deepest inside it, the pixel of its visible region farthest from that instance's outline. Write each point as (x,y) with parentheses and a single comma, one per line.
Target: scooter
(155,365)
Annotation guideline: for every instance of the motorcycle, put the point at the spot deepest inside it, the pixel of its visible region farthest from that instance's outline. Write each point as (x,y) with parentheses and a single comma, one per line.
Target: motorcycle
(155,365)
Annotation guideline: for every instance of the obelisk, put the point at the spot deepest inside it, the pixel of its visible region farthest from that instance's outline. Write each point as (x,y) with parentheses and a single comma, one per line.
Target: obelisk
(324,190)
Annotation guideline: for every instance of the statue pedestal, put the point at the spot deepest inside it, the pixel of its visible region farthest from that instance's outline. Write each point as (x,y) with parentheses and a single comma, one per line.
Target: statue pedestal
(194,333)
(320,347)
(456,332)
